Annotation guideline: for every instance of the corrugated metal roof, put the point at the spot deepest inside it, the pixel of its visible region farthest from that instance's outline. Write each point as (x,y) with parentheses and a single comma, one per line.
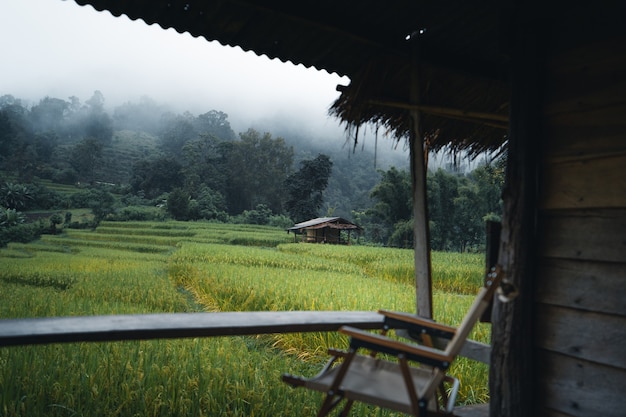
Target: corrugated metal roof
(337,222)
(336,36)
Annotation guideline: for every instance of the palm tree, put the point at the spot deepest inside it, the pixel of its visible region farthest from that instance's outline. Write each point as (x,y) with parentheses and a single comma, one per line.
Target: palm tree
(15,196)
(10,217)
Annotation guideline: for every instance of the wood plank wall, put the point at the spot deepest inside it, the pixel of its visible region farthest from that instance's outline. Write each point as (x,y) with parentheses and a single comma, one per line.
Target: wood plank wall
(580,300)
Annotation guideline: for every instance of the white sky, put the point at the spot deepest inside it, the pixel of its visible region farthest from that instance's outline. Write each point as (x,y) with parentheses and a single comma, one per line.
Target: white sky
(56,48)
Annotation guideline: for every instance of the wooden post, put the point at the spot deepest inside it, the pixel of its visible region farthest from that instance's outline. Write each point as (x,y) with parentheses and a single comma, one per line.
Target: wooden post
(511,377)
(493,229)
(421,236)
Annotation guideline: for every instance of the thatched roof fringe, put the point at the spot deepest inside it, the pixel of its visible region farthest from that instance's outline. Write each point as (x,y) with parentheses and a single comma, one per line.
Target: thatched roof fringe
(467,114)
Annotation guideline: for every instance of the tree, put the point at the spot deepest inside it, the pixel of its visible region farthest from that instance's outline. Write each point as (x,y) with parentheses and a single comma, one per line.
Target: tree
(208,204)
(442,188)
(14,134)
(89,120)
(155,176)
(49,114)
(10,217)
(101,203)
(98,125)
(393,196)
(305,188)
(96,102)
(176,132)
(178,204)
(214,123)
(85,157)
(489,178)
(204,164)
(386,222)
(16,196)
(258,166)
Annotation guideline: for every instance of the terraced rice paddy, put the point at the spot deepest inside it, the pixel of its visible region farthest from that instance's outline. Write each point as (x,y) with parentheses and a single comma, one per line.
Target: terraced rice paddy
(144,267)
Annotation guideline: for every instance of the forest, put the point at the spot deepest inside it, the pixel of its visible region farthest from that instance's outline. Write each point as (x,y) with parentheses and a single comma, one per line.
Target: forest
(143,161)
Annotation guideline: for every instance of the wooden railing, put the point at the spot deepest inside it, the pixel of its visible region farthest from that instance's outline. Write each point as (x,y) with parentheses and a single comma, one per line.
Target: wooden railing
(177,325)
(31,331)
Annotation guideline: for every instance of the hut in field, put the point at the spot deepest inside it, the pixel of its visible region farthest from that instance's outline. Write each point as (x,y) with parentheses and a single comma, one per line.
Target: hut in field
(325,230)
(543,83)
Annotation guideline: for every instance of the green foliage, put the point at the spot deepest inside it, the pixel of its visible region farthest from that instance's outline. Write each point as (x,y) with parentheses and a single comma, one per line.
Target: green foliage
(177,130)
(260,215)
(45,198)
(16,196)
(402,236)
(85,157)
(10,217)
(20,231)
(101,203)
(305,188)
(392,208)
(205,163)
(208,204)
(178,204)
(281,221)
(458,206)
(214,123)
(259,165)
(154,176)
(138,213)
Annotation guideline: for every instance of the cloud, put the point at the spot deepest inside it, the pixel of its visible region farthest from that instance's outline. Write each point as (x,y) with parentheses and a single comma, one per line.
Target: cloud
(58,48)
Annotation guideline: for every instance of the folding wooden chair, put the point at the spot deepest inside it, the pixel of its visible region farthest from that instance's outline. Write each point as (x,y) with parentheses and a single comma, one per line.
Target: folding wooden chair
(414,381)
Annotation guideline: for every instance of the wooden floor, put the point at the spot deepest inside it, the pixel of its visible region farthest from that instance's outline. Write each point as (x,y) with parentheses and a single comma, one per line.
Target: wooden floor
(480,410)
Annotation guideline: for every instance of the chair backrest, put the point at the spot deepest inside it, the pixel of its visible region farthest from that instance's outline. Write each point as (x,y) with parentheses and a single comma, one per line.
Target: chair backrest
(482,301)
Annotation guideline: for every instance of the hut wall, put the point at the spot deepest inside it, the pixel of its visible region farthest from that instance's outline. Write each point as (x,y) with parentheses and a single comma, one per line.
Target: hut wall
(580,288)
(323,235)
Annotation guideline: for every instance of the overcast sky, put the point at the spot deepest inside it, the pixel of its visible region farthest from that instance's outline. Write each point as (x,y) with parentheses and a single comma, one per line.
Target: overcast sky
(56,48)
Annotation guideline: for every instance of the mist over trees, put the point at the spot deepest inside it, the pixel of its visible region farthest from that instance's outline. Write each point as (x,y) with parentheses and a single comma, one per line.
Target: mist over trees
(142,156)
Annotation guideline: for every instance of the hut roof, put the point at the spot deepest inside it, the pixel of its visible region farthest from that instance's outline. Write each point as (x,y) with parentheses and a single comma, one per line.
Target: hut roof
(322,222)
(463,83)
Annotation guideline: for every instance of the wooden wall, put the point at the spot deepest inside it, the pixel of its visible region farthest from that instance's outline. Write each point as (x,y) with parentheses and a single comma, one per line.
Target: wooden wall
(580,288)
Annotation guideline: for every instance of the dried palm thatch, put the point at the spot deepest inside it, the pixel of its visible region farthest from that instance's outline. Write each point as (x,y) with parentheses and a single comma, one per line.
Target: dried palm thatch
(459,112)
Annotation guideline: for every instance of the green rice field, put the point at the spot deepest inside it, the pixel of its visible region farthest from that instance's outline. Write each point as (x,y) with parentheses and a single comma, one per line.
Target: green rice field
(150,267)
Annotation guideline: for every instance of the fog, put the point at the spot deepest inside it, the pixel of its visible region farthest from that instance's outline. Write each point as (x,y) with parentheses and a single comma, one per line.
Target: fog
(59,49)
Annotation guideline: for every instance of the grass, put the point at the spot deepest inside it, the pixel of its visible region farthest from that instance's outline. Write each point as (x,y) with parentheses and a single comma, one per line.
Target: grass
(144,267)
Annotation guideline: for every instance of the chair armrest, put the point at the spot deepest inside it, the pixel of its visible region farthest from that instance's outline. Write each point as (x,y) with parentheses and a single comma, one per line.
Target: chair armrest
(379,343)
(417,324)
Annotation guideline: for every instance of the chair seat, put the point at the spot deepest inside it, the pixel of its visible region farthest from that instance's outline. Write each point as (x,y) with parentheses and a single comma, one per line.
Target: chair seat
(376,382)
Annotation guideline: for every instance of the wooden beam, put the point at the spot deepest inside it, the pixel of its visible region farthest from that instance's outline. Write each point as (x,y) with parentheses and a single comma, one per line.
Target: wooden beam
(512,381)
(421,235)
(178,325)
(500,121)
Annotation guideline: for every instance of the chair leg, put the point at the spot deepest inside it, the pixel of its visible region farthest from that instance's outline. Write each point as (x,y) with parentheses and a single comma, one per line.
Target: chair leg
(330,402)
(333,397)
(346,409)
(408,382)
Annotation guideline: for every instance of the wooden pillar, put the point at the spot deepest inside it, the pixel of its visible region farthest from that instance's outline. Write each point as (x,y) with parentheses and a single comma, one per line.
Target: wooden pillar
(511,379)
(421,236)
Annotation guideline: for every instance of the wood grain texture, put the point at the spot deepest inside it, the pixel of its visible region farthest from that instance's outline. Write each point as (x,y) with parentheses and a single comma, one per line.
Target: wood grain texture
(583,335)
(596,70)
(177,325)
(583,285)
(596,235)
(592,181)
(580,388)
